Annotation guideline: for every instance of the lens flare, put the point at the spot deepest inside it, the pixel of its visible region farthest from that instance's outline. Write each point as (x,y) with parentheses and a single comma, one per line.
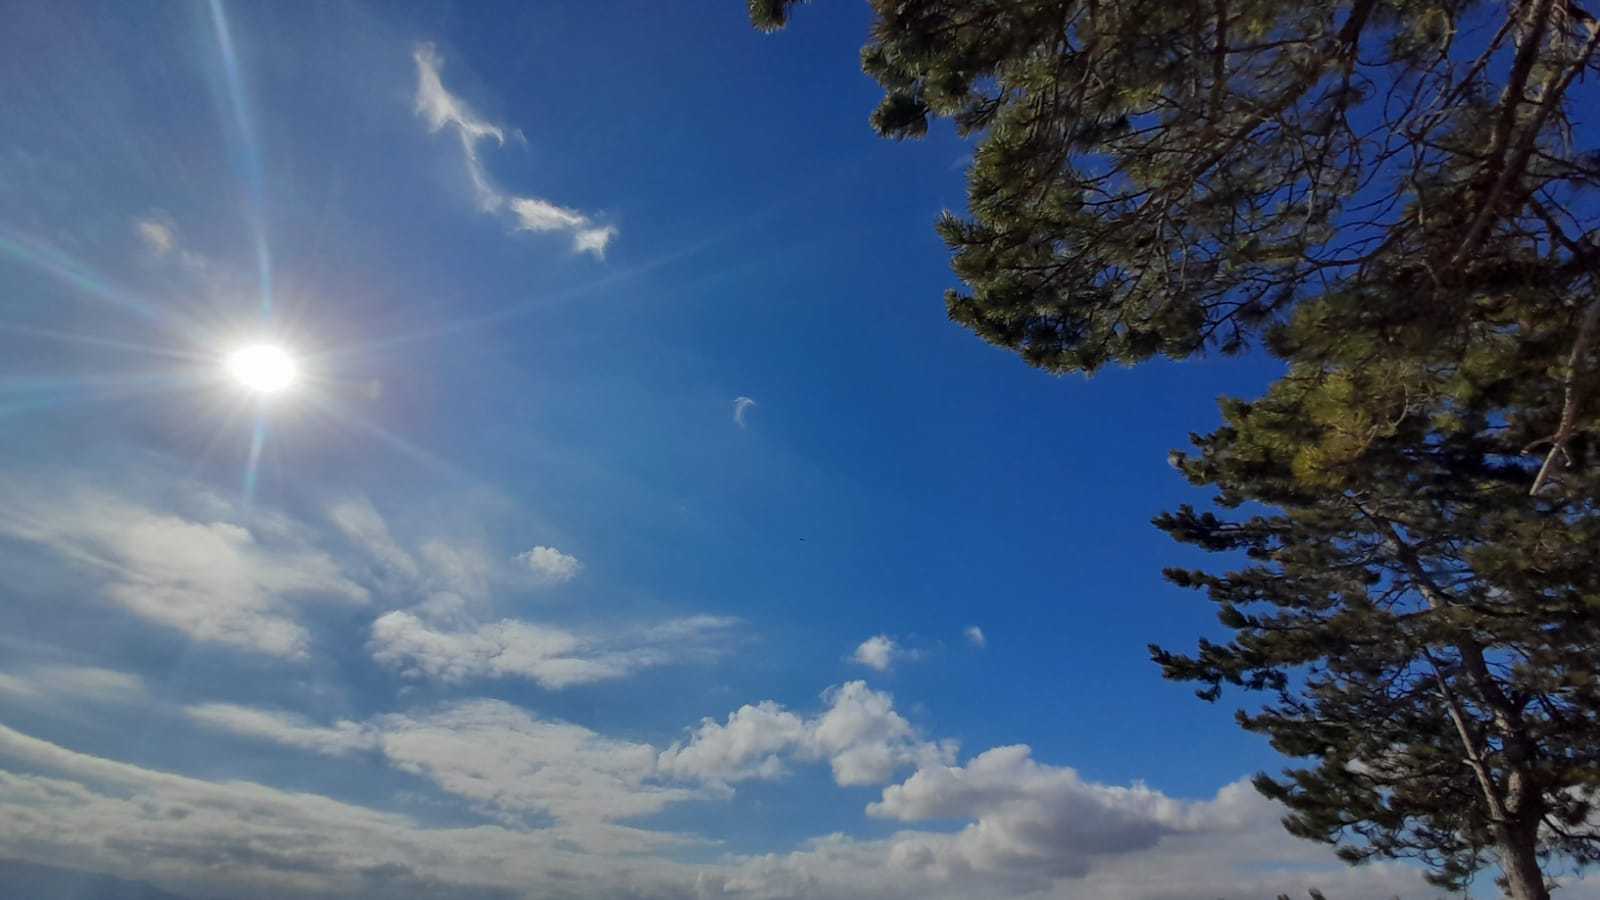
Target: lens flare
(263,368)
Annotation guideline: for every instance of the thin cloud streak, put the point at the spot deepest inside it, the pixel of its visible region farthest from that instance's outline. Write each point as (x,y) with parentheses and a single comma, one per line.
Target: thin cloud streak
(741,405)
(442,109)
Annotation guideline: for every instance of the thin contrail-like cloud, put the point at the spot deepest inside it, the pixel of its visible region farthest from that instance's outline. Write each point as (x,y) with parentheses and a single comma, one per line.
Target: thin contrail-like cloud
(740,405)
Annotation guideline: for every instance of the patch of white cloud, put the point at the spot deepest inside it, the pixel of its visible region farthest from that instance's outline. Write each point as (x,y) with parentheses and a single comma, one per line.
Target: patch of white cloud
(237,838)
(1043,831)
(860,736)
(359,521)
(501,759)
(457,569)
(594,240)
(552,657)
(157,232)
(741,405)
(17,686)
(510,764)
(442,109)
(538,215)
(975,636)
(550,565)
(158,236)
(214,580)
(78,684)
(88,682)
(881,652)
(340,739)
(1047,820)
(559,795)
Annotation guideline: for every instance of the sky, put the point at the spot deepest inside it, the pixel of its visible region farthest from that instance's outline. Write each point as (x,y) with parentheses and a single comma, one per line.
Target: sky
(637,526)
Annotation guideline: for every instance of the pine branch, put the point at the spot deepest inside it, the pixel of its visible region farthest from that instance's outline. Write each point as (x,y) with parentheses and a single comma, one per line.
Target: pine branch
(1574,399)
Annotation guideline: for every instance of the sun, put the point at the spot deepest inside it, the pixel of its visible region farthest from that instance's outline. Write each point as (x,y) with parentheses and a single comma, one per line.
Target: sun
(263,368)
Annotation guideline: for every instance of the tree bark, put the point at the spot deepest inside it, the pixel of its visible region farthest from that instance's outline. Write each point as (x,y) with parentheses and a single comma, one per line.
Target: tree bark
(1519,860)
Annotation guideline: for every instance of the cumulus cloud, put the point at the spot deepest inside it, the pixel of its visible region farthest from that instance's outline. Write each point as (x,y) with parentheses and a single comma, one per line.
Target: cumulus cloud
(1043,831)
(881,652)
(442,109)
(550,564)
(976,637)
(552,657)
(1046,820)
(741,405)
(212,579)
(859,735)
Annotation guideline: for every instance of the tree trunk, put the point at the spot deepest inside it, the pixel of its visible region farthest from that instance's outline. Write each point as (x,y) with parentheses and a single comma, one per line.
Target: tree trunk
(1520,862)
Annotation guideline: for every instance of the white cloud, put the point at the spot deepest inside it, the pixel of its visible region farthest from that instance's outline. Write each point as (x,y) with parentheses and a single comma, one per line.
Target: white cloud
(1046,820)
(158,236)
(361,523)
(860,736)
(89,682)
(242,839)
(1042,831)
(510,764)
(594,240)
(1032,830)
(550,564)
(503,760)
(555,658)
(343,738)
(442,109)
(16,686)
(77,683)
(741,405)
(976,637)
(213,580)
(537,215)
(457,569)
(880,653)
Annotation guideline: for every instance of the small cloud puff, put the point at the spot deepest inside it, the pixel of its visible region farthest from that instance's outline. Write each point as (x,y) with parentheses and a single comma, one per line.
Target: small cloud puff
(158,236)
(740,406)
(975,637)
(879,653)
(550,564)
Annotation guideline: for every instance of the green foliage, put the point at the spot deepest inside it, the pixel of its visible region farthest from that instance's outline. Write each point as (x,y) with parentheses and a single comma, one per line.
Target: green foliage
(1384,194)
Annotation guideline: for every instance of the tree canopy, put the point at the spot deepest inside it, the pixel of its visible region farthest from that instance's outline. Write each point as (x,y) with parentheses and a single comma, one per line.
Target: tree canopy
(1396,198)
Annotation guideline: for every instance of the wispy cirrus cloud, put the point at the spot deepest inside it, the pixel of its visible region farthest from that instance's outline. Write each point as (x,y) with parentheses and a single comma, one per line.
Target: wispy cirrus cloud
(741,405)
(76,683)
(237,838)
(444,110)
(158,236)
(202,573)
(550,656)
(501,759)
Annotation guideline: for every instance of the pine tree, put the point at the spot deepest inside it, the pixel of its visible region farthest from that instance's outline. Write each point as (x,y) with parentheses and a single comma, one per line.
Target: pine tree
(1390,196)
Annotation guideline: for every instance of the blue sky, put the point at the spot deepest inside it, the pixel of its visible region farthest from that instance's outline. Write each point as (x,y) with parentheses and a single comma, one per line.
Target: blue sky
(512,594)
